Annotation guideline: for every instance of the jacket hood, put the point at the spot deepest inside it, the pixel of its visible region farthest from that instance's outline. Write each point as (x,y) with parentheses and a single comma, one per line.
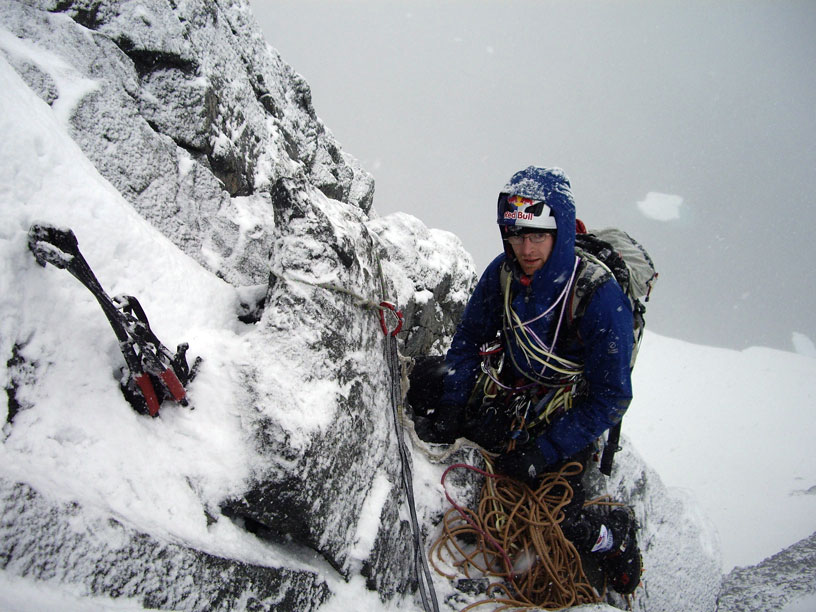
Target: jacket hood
(551,186)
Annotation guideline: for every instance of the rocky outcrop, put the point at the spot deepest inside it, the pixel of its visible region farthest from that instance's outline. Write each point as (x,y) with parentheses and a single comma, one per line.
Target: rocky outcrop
(432,279)
(785,581)
(118,561)
(681,558)
(187,111)
(199,124)
(328,274)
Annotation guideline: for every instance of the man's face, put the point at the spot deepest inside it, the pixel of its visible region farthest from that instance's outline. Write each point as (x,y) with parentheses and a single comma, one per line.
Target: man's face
(532,250)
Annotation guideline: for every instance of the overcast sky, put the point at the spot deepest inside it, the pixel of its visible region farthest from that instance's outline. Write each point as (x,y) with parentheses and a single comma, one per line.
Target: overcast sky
(709,104)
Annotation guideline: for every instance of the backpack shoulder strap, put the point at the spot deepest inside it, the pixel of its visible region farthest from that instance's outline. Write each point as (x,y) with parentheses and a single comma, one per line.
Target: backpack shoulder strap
(505,276)
(591,274)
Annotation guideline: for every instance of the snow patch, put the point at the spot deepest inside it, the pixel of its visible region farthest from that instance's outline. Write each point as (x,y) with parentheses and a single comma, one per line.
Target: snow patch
(661,206)
(734,429)
(72,87)
(21,594)
(370,516)
(806,604)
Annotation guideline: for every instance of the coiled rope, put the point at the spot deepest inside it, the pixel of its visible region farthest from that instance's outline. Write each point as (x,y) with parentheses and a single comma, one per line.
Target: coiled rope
(541,358)
(515,535)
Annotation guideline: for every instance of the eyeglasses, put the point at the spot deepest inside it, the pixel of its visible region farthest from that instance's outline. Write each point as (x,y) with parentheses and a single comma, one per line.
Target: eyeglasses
(534,238)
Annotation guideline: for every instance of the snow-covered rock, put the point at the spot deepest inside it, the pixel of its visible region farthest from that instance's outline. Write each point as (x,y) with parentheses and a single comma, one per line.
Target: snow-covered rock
(785,581)
(187,111)
(290,421)
(77,544)
(680,555)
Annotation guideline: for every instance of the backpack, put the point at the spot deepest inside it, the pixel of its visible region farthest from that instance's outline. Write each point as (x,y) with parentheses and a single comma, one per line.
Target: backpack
(613,252)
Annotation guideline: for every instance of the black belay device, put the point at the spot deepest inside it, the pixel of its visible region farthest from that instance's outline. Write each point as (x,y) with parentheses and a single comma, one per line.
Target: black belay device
(153,372)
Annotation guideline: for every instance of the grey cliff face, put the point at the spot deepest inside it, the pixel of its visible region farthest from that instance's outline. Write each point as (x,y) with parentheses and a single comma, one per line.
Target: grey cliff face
(784,581)
(213,139)
(187,111)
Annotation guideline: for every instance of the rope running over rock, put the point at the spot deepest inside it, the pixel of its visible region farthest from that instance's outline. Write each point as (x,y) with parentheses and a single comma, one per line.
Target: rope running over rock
(422,571)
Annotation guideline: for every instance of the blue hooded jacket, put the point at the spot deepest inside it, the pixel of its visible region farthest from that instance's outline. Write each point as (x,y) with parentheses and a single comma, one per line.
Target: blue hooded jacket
(601,339)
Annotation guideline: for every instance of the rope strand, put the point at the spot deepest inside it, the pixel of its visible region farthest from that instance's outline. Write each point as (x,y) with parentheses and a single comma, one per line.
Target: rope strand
(533,348)
(421,568)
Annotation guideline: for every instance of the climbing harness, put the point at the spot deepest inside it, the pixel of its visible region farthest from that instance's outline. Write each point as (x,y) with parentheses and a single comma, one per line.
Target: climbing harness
(548,376)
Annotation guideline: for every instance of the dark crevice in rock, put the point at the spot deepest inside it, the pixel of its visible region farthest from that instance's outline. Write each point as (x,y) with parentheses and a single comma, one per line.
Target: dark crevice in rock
(266,99)
(20,370)
(229,171)
(287,524)
(11,388)
(85,13)
(197,153)
(150,60)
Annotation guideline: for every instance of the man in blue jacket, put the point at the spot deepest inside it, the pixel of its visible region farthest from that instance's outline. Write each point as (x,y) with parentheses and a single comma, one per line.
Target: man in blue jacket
(524,372)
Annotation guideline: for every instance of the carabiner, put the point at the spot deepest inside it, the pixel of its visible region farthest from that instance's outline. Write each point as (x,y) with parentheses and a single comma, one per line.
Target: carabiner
(397,313)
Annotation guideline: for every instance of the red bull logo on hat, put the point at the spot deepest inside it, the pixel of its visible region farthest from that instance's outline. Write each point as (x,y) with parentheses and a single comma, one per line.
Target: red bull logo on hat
(519,201)
(518,215)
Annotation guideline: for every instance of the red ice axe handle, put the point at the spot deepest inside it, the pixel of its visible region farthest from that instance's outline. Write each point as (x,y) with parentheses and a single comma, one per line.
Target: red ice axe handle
(149,393)
(397,313)
(174,385)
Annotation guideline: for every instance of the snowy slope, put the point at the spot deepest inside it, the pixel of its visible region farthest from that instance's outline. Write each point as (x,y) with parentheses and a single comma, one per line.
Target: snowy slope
(46,178)
(83,443)
(734,429)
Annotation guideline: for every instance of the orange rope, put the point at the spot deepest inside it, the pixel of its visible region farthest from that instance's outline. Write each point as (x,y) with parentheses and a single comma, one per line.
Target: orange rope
(515,535)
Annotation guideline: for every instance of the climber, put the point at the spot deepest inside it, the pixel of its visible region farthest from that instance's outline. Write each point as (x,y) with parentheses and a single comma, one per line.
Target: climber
(524,380)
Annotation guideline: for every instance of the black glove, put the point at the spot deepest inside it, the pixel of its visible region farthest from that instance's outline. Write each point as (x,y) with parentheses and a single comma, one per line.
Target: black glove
(443,427)
(489,427)
(525,464)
